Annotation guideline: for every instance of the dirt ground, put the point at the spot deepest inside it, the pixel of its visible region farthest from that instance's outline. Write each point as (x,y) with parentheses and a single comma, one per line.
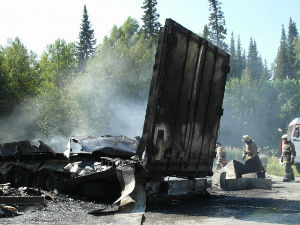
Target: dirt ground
(281,205)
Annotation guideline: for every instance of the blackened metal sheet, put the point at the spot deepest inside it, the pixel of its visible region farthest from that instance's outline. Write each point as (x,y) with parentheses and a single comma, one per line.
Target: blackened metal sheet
(184,104)
(111,146)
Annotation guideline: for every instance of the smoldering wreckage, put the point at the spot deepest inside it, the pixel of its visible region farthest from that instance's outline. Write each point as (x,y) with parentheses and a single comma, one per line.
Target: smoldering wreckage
(178,140)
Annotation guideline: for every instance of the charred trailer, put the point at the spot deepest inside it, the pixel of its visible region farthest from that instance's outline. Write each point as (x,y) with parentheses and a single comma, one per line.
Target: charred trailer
(184,105)
(177,147)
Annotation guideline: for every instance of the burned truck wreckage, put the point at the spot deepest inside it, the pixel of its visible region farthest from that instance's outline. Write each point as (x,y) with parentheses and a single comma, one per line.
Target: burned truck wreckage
(178,140)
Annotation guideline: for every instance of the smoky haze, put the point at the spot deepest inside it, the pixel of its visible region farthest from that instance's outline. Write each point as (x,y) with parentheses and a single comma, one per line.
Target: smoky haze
(95,103)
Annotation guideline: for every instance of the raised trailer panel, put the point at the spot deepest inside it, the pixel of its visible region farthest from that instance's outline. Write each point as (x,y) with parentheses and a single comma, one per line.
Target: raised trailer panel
(184,105)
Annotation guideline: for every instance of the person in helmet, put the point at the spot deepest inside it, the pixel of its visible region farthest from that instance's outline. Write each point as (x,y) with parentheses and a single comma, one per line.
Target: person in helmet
(288,154)
(221,157)
(250,148)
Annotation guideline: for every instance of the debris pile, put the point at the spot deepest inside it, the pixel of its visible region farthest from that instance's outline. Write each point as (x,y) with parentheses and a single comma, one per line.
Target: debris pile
(238,176)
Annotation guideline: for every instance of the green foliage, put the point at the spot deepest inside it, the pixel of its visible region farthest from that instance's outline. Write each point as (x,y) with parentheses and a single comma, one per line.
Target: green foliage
(19,76)
(286,60)
(119,73)
(87,42)
(281,63)
(254,61)
(234,154)
(217,24)
(205,33)
(258,108)
(117,78)
(58,63)
(234,70)
(57,114)
(274,168)
(150,18)
(296,43)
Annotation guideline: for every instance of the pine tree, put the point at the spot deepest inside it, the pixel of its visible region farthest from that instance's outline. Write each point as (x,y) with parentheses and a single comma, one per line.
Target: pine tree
(150,18)
(266,72)
(292,32)
(281,69)
(205,33)
(233,58)
(217,24)
(292,35)
(254,61)
(87,42)
(240,57)
(232,50)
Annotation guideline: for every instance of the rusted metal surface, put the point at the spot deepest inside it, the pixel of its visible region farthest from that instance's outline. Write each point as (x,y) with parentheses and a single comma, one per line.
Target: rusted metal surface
(184,105)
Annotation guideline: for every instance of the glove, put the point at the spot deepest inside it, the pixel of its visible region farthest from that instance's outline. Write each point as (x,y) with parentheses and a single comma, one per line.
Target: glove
(293,160)
(281,159)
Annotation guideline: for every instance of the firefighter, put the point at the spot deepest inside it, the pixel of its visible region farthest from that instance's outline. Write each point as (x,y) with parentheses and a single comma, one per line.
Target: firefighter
(288,154)
(250,148)
(221,157)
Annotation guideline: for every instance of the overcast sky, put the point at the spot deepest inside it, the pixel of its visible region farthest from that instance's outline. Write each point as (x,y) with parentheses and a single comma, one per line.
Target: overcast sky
(40,22)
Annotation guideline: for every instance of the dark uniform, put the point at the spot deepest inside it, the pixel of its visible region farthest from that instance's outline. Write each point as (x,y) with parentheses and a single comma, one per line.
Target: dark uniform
(287,157)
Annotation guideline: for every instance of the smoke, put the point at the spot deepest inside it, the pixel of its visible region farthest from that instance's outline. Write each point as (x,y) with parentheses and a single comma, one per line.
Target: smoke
(130,118)
(19,125)
(108,98)
(254,107)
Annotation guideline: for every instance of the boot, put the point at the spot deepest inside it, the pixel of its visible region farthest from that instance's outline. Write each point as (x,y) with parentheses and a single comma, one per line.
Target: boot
(286,178)
(292,176)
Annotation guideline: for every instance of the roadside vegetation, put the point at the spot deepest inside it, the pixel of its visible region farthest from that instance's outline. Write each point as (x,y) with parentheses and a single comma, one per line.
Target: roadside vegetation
(274,168)
(86,88)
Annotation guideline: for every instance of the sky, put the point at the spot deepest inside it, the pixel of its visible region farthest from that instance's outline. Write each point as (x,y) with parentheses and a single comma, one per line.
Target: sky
(39,23)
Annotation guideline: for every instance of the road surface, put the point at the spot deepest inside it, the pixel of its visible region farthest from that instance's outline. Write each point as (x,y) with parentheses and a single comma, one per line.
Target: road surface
(281,205)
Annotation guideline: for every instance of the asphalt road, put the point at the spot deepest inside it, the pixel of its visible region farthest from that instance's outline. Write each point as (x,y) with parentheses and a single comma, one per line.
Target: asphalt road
(281,205)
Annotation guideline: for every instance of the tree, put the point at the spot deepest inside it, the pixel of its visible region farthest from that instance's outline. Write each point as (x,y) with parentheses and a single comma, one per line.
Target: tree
(266,75)
(233,58)
(258,107)
(292,36)
(254,61)
(205,33)
(116,80)
(292,32)
(58,63)
(150,18)
(240,58)
(281,70)
(297,61)
(217,24)
(87,42)
(19,76)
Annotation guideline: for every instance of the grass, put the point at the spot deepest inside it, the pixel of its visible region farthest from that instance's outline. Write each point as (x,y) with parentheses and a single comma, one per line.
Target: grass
(274,168)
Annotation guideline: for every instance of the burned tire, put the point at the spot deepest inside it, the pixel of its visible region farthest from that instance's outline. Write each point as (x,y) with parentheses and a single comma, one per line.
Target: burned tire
(46,180)
(15,177)
(49,180)
(298,167)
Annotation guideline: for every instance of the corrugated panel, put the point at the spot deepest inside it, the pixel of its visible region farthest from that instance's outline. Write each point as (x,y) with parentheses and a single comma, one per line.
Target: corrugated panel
(184,105)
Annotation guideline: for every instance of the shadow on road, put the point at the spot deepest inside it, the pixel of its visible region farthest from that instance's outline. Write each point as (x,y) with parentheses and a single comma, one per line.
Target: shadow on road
(242,208)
